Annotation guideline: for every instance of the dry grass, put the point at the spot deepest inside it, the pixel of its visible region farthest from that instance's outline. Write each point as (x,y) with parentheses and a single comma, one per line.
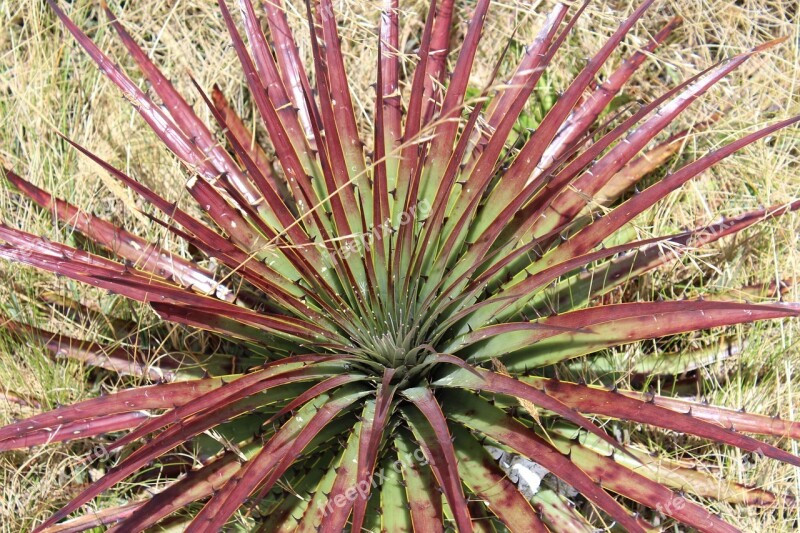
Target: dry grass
(48,85)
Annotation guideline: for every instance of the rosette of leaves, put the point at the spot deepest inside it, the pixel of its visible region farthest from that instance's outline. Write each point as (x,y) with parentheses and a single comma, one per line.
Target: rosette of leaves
(401,305)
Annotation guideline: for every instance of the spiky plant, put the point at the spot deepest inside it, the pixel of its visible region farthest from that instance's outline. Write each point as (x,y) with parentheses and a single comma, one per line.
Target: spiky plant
(402,310)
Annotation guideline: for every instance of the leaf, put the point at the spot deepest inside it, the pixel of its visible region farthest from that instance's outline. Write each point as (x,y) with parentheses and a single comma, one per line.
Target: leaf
(272,461)
(469,410)
(184,116)
(481,474)
(197,484)
(164,396)
(590,330)
(331,503)
(115,359)
(578,291)
(563,209)
(606,472)
(683,476)
(394,504)
(434,439)
(161,124)
(501,384)
(727,418)
(98,518)
(142,254)
(559,513)
(236,126)
(287,514)
(291,66)
(237,390)
(595,233)
(424,498)
(587,112)
(446,128)
(608,403)
(99,425)
(375,418)
(533,63)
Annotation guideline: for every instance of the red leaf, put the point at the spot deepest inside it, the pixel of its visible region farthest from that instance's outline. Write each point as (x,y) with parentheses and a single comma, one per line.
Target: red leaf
(602,402)
(438,448)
